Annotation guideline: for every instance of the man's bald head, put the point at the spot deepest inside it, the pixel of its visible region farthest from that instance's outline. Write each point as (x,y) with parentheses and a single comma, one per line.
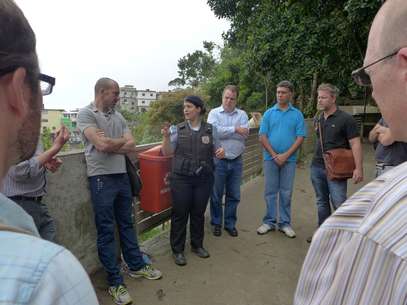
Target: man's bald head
(103,84)
(387,35)
(392,26)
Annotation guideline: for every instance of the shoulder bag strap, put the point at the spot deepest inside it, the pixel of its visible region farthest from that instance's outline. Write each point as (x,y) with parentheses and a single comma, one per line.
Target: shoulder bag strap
(320,133)
(4,227)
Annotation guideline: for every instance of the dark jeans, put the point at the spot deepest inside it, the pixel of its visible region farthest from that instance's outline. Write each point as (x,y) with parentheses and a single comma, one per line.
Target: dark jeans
(327,191)
(228,176)
(112,200)
(189,199)
(39,212)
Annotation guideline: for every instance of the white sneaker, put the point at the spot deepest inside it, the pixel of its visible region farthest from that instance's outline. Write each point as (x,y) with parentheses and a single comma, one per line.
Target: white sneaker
(264,228)
(288,231)
(120,295)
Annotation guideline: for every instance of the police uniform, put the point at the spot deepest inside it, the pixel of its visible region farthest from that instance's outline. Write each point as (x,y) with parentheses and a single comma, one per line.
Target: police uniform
(191,183)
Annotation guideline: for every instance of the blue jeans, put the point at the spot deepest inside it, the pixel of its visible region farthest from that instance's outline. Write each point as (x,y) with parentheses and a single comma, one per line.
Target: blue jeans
(279,183)
(228,176)
(112,200)
(327,191)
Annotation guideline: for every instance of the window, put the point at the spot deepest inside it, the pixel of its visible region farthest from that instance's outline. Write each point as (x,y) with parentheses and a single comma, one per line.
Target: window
(143,102)
(143,94)
(44,120)
(151,94)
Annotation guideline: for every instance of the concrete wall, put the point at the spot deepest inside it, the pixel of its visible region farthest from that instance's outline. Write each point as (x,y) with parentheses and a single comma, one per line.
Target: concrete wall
(69,202)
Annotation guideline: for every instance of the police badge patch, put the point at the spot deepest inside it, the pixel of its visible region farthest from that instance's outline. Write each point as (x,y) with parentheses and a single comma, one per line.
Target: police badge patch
(205,139)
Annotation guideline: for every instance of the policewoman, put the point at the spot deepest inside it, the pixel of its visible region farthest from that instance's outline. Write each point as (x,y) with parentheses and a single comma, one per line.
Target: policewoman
(193,144)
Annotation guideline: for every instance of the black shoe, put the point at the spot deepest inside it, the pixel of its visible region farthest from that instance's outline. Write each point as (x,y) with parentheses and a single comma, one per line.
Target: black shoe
(201,252)
(309,239)
(232,232)
(217,230)
(179,259)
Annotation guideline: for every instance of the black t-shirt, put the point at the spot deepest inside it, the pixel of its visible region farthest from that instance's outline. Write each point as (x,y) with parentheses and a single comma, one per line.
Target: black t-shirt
(337,130)
(393,154)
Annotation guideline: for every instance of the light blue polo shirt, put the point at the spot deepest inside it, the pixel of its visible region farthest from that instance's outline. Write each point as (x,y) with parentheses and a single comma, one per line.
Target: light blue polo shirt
(282,127)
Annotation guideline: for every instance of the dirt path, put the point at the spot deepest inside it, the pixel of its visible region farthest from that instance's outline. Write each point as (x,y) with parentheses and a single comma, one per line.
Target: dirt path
(247,270)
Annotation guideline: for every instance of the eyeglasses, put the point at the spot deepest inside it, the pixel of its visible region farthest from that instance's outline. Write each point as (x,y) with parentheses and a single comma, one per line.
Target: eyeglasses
(47,82)
(362,78)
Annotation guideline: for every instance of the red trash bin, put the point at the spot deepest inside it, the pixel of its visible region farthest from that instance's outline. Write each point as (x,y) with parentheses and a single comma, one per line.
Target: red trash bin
(155,195)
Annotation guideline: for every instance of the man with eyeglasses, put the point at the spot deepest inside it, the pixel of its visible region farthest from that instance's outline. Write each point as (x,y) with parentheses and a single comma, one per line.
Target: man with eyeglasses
(33,270)
(358,255)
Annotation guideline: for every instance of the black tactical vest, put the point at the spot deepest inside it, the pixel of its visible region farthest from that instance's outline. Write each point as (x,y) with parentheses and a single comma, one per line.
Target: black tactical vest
(193,154)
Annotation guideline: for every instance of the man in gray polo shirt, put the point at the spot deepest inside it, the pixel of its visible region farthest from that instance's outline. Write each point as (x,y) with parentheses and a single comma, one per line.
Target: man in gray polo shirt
(107,140)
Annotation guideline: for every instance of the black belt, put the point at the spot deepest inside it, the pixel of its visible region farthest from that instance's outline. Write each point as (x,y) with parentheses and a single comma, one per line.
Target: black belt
(38,198)
(237,158)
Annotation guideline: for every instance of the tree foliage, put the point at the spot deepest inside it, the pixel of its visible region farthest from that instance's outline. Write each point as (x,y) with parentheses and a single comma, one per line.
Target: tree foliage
(296,40)
(195,68)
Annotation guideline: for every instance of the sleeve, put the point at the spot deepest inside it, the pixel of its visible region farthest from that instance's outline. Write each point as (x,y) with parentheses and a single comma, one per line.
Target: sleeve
(64,282)
(301,129)
(223,131)
(215,135)
(264,124)
(244,120)
(173,136)
(25,170)
(86,119)
(351,128)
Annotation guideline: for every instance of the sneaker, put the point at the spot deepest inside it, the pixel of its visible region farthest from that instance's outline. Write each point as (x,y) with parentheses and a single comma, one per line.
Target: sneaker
(120,295)
(148,272)
(288,231)
(264,228)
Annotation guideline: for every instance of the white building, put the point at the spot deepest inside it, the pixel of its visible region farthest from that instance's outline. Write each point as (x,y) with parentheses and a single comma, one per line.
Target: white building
(128,98)
(134,100)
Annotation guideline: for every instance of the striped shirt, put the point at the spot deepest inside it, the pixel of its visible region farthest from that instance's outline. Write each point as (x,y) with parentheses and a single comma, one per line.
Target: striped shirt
(27,178)
(358,256)
(225,123)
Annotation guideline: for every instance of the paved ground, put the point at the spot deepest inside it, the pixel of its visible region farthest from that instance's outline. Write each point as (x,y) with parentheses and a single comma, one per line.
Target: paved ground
(247,270)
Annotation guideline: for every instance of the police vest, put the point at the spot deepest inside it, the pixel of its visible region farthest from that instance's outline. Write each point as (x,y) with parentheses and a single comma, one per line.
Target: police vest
(193,154)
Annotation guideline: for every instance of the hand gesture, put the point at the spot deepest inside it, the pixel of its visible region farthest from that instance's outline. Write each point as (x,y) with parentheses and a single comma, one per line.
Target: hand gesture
(61,137)
(165,131)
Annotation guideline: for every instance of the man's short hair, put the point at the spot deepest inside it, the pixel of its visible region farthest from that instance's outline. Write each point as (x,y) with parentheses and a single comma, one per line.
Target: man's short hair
(286,84)
(104,83)
(231,88)
(17,44)
(333,90)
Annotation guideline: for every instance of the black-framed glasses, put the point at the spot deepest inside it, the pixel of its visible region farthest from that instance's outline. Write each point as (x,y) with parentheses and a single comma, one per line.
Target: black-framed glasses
(362,78)
(47,82)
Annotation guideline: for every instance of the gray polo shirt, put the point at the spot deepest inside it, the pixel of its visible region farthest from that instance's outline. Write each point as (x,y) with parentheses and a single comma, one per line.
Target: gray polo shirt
(114,126)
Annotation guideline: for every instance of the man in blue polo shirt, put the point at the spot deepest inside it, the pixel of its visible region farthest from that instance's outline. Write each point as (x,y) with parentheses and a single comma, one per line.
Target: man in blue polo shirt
(282,131)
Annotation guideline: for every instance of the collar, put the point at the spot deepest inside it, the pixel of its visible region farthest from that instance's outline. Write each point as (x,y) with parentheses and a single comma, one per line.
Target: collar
(277,108)
(94,109)
(332,114)
(223,110)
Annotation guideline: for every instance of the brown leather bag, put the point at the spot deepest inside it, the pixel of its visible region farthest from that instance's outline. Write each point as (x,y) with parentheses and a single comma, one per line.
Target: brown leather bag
(339,162)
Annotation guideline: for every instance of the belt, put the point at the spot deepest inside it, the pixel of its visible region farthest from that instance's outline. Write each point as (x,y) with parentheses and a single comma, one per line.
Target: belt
(383,165)
(237,158)
(37,199)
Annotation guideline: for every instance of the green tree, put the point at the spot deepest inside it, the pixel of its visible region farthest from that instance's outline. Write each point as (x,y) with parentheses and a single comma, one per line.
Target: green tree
(194,68)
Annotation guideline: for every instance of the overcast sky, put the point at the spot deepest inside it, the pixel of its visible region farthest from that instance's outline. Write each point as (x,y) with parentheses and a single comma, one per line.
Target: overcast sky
(136,42)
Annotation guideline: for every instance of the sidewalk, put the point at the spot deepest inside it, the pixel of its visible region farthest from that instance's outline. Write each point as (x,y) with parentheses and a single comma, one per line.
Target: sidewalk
(247,270)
